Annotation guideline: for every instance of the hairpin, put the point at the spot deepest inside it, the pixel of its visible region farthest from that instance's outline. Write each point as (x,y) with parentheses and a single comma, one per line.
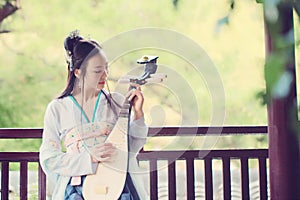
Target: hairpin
(68,57)
(74,34)
(71,66)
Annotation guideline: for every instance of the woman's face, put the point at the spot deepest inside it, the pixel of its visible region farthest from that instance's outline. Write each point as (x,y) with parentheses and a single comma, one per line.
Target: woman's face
(96,72)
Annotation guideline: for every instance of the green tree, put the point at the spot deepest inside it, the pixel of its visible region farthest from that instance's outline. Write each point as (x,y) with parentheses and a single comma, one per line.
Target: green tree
(7,8)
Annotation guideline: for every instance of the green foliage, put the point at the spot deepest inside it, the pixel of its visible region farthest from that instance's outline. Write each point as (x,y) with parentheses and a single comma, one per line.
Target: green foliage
(274,68)
(175,3)
(6,117)
(3,2)
(276,75)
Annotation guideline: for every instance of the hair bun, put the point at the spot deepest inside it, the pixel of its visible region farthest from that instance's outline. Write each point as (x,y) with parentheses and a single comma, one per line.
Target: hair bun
(71,41)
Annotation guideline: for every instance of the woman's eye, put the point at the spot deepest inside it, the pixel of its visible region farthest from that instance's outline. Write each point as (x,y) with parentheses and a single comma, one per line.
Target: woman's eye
(98,72)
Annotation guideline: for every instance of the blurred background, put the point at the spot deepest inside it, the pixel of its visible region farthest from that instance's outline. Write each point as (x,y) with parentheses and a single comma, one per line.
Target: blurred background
(33,70)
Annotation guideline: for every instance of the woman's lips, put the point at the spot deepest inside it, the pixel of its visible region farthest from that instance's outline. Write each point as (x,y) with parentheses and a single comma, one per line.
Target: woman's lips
(101,82)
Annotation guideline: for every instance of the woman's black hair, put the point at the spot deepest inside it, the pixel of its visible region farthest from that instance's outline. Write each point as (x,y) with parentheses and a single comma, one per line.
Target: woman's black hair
(78,50)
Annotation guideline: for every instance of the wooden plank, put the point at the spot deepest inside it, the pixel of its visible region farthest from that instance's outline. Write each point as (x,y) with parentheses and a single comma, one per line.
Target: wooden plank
(206,130)
(183,155)
(9,133)
(19,156)
(14,133)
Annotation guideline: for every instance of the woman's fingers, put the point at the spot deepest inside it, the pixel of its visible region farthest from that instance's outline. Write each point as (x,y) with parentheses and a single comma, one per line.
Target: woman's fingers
(103,152)
(136,86)
(105,149)
(136,96)
(104,146)
(135,93)
(104,159)
(131,94)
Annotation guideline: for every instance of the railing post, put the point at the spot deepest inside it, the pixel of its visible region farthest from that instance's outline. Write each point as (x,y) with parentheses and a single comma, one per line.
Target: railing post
(226,178)
(42,184)
(172,179)
(4,180)
(23,180)
(245,178)
(208,178)
(153,179)
(190,175)
(263,179)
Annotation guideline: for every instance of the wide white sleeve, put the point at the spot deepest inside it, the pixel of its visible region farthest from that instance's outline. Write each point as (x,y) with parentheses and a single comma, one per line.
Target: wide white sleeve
(138,132)
(55,162)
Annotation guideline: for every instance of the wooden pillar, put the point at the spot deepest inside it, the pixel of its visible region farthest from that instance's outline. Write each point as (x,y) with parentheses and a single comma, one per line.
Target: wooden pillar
(282,114)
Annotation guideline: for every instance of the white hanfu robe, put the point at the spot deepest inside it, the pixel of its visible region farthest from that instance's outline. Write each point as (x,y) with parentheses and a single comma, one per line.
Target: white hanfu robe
(61,116)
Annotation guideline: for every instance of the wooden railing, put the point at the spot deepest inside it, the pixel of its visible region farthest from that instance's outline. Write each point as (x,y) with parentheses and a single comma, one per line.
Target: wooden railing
(153,157)
(24,158)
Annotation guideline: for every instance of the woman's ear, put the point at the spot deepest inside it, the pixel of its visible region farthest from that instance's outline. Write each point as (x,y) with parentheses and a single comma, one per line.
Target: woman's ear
(77,73)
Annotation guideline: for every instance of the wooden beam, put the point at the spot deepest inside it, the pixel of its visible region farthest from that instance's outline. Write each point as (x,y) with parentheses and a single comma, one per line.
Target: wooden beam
(282,112)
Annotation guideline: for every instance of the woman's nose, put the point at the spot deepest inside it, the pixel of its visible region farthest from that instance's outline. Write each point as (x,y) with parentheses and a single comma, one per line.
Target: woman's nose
(104,74)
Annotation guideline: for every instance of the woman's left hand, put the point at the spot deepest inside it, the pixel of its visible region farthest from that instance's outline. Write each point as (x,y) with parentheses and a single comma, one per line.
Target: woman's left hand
(138,101)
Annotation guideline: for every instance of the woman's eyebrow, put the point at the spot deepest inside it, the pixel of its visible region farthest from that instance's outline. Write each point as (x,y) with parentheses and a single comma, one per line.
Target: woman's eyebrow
(101,66)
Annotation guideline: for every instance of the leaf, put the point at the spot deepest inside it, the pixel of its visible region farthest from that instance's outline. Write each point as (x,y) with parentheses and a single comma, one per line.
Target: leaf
(274,68)
(175,3)
(232,4)
(221,22)
(282,87)
(262,97)
(271,10)
(297,8)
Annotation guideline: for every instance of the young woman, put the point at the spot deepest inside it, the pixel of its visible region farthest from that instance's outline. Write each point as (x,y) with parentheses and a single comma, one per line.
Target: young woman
(84,103)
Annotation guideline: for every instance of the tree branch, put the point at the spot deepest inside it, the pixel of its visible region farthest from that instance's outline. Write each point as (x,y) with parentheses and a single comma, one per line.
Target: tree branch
(4,31)
(8,9)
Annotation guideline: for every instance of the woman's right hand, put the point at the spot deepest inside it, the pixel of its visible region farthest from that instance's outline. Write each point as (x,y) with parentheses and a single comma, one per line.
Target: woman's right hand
(102,152)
